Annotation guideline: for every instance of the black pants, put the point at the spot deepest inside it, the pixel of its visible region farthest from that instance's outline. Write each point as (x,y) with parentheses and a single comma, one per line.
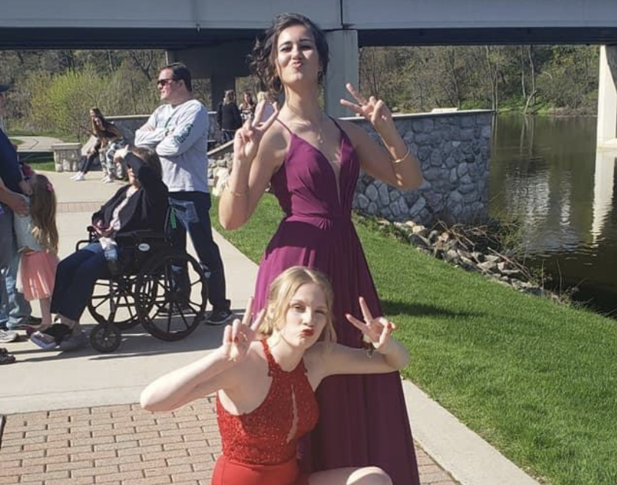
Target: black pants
(87,162)
(193,216)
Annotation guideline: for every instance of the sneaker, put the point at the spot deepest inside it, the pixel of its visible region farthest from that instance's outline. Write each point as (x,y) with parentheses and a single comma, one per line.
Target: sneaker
(7,336)
(26,323)
(106,179)
(79,177)
(219,317)
(74,342)
(43,340)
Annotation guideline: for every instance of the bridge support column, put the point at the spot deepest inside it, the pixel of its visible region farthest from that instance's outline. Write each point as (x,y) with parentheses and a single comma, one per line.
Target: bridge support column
(607,98)
(342,69)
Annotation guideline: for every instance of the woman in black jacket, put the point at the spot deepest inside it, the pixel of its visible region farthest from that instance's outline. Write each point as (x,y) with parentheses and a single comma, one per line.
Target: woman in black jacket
(140,205)
(228,116)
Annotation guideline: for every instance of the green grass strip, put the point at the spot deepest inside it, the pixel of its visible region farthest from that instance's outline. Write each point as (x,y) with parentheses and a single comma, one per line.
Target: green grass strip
(535,379)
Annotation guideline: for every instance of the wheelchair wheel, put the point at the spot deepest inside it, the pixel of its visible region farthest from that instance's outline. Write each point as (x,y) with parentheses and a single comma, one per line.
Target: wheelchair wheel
(116,296)
(167,312)
(105,337)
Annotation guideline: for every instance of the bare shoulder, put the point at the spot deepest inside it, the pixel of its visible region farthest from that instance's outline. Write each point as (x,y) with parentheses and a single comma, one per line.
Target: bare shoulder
(353,131)
(274,144)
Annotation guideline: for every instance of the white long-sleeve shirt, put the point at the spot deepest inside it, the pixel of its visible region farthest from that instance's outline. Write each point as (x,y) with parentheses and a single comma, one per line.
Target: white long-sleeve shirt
(180,136)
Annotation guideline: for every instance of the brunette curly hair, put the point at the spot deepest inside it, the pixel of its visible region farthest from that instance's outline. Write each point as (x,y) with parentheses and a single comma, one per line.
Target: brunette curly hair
(263,58)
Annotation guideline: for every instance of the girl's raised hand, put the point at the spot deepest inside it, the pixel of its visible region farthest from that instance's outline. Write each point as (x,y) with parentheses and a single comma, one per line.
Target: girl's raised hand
(373,109)
(376,330)
(248,137)
(238,336)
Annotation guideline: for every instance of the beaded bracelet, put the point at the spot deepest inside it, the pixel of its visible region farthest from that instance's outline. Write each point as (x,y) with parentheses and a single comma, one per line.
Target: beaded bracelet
(399,160)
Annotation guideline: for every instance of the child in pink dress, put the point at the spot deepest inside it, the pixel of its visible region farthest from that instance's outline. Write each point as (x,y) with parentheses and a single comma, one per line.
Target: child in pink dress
(37,240)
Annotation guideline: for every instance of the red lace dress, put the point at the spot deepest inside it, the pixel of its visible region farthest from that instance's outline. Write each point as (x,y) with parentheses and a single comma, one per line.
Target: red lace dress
(259,448)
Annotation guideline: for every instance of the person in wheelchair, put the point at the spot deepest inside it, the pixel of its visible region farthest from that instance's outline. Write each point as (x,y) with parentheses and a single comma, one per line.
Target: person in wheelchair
(140,205)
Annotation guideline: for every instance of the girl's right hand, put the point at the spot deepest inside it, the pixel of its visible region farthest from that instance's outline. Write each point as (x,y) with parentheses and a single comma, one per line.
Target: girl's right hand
(238,336)
(248,137)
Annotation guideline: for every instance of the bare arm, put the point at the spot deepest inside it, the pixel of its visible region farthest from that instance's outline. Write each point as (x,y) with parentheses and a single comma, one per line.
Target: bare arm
(218,370)
(389,355)
(395,165)
(254,163)
(13,200)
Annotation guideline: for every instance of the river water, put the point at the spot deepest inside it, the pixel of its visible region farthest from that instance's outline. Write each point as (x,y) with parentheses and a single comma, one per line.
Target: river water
(547,174)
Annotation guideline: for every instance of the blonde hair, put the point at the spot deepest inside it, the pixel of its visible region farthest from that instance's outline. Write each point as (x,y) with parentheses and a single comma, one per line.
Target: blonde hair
(282,290)
(43,213)
(262,96)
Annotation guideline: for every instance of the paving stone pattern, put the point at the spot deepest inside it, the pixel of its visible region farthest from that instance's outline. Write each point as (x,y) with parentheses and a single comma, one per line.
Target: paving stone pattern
(124,445)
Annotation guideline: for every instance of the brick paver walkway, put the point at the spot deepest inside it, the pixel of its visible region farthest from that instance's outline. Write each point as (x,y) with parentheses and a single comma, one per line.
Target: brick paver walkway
(124,445)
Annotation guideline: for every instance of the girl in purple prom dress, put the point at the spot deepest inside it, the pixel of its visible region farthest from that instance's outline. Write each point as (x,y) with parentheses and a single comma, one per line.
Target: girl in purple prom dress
(312,163)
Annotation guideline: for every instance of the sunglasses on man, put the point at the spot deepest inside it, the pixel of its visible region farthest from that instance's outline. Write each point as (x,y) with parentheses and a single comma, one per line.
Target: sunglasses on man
(164,82)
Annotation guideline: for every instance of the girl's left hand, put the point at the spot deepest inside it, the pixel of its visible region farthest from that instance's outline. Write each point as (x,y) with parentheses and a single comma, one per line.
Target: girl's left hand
(377,330)
(373,109)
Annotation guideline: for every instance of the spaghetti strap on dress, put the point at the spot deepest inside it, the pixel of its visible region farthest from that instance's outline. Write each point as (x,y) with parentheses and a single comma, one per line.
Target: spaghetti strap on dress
(363,419)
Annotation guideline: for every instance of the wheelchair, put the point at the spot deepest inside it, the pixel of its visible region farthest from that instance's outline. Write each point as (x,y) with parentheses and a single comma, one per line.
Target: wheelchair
(153,284)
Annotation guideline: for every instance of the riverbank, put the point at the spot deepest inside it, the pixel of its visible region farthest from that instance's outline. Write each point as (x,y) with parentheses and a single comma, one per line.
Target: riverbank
(535,379)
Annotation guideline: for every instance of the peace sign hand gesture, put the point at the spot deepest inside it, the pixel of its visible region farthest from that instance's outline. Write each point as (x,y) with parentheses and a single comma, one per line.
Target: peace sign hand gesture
(248,137)
(373,109)
(238,336)
(376,330)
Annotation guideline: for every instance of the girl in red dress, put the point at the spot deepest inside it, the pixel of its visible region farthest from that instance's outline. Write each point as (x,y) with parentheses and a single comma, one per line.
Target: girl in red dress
(265,386)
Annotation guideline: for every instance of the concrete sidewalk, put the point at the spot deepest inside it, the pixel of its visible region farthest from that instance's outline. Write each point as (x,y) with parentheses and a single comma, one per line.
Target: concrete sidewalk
(72,418)
(36,143)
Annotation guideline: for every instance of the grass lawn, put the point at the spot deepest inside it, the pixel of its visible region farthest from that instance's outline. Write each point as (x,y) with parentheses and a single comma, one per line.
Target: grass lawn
(46,165)
(537,380)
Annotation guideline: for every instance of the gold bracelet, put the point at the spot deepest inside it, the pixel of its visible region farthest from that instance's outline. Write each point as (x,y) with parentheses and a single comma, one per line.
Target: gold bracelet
(399,160)
(234,193)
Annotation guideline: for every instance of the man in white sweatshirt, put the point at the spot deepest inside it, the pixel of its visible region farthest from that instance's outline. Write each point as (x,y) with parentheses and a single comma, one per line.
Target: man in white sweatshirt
(178,131)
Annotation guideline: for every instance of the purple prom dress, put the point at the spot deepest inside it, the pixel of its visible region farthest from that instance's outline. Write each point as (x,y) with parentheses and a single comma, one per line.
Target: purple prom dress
(363,419)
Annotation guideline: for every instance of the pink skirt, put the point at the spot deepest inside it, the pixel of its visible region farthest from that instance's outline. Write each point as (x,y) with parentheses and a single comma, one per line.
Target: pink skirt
(37,273)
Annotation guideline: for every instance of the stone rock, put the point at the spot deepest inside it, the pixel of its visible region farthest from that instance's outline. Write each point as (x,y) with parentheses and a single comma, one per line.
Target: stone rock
(466,188)
(384,196)
(417,207)
(467,134)
(395,195)
(371,193)
(455,197)
(462,169)
(467,122)
(486,132)
(403,207)
(372,208)
(427,125)
(417,126)
(487,266)
(453,176)
(424,153)
(363,201)
(436,158)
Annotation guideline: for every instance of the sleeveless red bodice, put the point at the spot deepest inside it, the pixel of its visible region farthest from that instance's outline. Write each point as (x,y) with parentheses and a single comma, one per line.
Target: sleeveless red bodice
(264,436)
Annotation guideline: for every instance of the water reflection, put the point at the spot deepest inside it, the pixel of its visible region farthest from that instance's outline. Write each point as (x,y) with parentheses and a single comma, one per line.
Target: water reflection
(546,173)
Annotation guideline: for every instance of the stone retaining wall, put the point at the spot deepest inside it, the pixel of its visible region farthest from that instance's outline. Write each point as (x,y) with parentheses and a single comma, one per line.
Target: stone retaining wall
(454,152)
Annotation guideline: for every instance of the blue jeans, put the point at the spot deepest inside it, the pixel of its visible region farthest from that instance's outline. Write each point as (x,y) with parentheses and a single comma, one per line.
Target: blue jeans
(75,279)
(14,309)
(193,216)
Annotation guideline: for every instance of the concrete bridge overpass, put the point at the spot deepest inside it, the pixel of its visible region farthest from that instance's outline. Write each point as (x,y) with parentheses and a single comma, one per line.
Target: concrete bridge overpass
(213,36)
